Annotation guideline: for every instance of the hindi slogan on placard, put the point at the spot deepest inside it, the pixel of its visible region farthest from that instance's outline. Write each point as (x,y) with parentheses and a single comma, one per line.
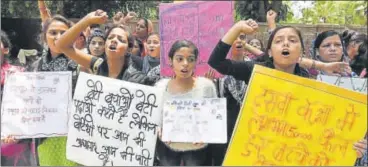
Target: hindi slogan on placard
(36,104)
(195,120)
(113,122)
(295,121)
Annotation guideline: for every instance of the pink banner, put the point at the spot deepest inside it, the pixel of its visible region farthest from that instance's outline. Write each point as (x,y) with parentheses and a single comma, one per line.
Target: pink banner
(202,22)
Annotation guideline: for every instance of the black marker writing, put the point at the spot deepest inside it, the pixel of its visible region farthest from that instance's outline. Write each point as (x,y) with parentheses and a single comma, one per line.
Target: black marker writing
(103,131)
(124,100)
(96,91)
(122,136)
(140,139)
(84,124)
(86,144)
(107,112)
(127,154)
(146,105)
(83,106)
(142,123)
(105,159)
(122,116)
(144,157)
(109,150)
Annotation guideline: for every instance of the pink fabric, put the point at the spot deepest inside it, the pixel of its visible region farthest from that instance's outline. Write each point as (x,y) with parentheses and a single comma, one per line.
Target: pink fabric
(6,67)
(202,22)
(16,151)
(362,74)
(11,150)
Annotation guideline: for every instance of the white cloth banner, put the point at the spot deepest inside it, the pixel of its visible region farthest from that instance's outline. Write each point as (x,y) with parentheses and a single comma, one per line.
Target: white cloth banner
(195,120)
(36,104)
(113,122)
(354,84)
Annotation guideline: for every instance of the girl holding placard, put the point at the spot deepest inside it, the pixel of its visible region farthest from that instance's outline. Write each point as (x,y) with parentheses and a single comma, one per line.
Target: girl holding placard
(183,57)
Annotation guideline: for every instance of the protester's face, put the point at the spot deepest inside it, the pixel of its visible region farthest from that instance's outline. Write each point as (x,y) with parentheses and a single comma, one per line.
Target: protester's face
(286,48)
(97,46)
(3,52)
(184,62)
(255,43)
(80,42)
(153,45)
(116,43)
(141,28)
(136,49)
(92,30)
(53,33)
(237,48)
(352,49)
(330,49)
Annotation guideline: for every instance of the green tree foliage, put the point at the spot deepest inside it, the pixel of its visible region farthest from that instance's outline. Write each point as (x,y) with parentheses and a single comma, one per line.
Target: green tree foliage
(257,9)
(332,12)
(78,9)
(19,9)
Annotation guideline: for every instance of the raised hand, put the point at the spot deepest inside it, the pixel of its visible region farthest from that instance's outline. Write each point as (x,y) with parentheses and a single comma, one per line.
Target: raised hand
(117,17)
(210,74)
(248,26)
(271,16)
(130,16)
(9,140)
(97,17)
(334,68)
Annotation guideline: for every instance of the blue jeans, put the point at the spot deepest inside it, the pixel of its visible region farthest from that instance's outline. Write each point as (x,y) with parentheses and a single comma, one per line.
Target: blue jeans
(168,157)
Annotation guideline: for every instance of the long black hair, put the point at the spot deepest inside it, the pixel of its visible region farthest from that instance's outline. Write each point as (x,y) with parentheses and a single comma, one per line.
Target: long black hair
(5,40)
(359,62)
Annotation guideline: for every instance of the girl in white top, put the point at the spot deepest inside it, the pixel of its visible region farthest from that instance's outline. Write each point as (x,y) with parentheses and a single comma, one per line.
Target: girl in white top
(183,57)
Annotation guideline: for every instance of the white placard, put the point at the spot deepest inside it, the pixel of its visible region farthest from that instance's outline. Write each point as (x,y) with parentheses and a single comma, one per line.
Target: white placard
(113,122)
(355,84)
(36,104)
(195,120)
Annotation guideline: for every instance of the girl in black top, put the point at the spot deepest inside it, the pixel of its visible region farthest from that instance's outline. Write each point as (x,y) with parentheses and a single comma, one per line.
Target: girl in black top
(284,52)
(116,63)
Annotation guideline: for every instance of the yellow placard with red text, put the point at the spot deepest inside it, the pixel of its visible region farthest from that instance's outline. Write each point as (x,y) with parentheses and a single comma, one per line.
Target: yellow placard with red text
(290,120)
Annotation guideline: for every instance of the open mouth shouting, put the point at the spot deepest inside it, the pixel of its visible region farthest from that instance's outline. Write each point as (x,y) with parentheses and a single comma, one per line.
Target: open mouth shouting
(151,50)
(184,71)
(112,47)
(285,52)
(238,46)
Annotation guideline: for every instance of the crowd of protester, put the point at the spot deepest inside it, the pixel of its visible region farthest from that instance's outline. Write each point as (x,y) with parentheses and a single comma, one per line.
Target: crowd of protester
(118,52)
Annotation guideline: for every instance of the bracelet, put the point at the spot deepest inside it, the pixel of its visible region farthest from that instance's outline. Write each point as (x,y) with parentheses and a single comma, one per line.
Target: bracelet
(313,65)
